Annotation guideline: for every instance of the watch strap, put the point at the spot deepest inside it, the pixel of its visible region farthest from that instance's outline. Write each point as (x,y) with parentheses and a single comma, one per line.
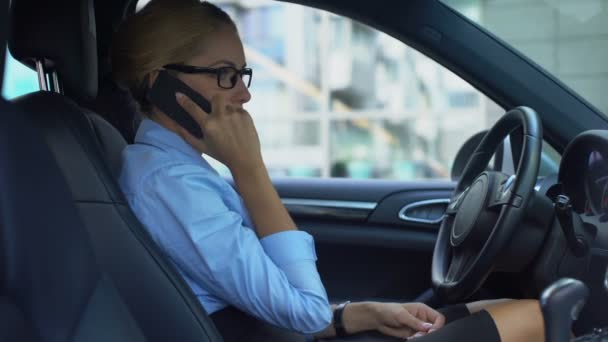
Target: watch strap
(338,322)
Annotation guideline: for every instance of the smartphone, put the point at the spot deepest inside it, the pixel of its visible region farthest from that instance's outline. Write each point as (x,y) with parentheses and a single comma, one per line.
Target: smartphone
(162,95)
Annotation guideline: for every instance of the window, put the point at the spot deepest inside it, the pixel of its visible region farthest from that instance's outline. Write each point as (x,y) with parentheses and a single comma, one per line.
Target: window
(549,162)
(335,98)
(332,97)
(567,38)
(18,79)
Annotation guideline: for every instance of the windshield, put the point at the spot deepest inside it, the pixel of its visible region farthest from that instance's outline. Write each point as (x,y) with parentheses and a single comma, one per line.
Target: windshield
(569,39)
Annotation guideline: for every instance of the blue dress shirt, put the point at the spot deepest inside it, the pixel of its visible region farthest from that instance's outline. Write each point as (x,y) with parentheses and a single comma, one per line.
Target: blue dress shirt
(202,225)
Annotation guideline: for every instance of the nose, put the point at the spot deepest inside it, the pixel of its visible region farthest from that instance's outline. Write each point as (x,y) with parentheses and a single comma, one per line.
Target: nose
(241,93)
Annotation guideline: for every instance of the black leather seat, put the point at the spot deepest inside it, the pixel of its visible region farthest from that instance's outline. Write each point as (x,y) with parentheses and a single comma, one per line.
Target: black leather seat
(51,287)
(83,145)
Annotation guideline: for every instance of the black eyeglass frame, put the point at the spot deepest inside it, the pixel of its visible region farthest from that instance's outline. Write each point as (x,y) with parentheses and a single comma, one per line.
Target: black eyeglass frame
(192,69)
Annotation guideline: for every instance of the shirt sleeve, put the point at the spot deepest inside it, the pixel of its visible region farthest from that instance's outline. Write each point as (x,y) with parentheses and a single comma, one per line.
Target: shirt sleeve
(275,279)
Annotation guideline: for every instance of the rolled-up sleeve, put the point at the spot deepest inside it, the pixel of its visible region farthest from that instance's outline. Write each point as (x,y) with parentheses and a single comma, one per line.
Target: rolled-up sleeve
(274,279)
(294,252)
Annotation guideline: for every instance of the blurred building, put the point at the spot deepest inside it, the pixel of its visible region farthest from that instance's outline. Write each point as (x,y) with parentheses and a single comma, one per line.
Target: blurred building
(333,97)
(333,94)
(567,38)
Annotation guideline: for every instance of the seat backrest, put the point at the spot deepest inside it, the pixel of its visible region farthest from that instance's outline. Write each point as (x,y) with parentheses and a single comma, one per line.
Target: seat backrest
(51,287)
(162,304)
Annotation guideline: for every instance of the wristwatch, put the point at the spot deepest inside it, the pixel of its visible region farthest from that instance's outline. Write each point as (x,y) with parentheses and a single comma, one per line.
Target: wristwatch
(337,321)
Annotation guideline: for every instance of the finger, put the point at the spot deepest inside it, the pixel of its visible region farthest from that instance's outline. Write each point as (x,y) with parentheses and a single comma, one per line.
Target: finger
(191,139)
(438,322)
(426,314)
(182,132)
(197,113)
(246,114)
(413,322)
(242,115)
(434,316)
(218,104)
(416,335)
(403,332)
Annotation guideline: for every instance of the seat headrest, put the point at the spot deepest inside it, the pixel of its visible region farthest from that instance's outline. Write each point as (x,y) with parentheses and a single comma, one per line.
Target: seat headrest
(63,34)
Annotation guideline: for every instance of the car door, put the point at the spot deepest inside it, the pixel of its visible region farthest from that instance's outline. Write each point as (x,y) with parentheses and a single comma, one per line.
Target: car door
(374,239)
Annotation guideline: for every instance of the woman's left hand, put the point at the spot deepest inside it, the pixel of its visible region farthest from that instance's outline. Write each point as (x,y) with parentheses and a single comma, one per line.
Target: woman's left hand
(406,320)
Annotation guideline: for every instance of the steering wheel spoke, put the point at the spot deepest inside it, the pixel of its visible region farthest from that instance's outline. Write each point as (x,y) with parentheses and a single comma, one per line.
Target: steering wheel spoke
(461,259)
(501,199)
(504,195)
(454,204)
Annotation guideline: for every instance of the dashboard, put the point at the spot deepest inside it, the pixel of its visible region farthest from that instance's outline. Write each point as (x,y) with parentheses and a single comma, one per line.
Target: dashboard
(596,186)
(583,176)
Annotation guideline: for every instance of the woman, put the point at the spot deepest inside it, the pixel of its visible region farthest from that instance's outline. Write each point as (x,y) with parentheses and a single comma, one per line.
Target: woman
(253,271)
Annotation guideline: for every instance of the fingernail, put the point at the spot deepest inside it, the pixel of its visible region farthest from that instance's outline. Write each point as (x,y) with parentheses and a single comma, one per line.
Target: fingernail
(416,335)
(431,330)
(427,325)
(179,96)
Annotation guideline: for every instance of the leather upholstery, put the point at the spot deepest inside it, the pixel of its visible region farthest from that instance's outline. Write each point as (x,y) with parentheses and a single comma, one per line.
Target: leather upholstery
(51,288)
(111,142)
(87,151)
(161,302)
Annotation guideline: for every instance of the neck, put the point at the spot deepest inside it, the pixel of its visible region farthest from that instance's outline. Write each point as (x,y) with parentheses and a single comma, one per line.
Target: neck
(164,120)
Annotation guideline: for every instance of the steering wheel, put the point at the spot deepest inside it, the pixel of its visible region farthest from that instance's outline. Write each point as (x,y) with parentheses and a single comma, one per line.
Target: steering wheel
(485,209)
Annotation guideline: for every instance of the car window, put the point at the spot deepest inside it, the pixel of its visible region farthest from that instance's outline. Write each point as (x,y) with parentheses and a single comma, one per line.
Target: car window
(569,39)
(332,97)
(549,162)
(18,79)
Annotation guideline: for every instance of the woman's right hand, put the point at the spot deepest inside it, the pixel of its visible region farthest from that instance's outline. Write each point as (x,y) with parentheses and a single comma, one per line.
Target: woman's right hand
(229,133)
(406,320)
(230,137)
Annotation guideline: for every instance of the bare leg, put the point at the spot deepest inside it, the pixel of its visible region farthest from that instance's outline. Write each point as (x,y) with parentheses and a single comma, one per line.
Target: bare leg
(484,304)
(516,320)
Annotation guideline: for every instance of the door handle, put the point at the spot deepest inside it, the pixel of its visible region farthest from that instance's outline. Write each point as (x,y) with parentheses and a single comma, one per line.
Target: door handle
(427,211)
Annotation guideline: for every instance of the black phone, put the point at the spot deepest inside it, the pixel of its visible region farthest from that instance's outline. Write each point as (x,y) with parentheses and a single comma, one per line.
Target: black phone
(162,95)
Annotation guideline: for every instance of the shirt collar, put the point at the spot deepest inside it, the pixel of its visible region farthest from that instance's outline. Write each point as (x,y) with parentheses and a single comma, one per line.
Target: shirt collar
(152,133)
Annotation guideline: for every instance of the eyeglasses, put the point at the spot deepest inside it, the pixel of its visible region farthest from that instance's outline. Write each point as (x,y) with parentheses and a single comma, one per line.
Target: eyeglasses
(227,76)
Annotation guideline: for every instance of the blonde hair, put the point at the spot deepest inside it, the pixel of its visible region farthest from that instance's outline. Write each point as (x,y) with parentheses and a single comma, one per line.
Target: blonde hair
(163,32)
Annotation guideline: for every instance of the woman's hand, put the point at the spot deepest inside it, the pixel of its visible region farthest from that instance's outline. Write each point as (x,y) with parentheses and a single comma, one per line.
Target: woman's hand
(406,320)
(393,319)
(229,134)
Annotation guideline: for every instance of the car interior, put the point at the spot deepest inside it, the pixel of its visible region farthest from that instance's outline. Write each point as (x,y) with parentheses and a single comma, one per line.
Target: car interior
(77,265)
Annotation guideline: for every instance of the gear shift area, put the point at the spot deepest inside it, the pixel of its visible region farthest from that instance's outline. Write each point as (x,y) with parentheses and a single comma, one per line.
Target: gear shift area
(561,303)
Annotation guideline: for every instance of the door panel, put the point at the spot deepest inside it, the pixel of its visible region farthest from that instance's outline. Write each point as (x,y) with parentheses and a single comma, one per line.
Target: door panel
(365,250)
